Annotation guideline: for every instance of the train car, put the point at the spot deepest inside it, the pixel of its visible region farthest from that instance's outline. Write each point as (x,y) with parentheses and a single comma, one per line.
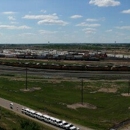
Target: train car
(103,68)
(73,67)
(115,68)
(78,57)
(55,66)
(78,67)
(120,68)
(35,65)
(107,68)
(61,57)
(92,68)
(93,59)
(2,55)
(69,57)
(66,67)
(20,56)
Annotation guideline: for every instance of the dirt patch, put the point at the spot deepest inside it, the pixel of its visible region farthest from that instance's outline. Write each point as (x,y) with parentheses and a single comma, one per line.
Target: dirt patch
(30,89)
(125,94)
(108,90)
(16,79)
(55,81)
(84,105)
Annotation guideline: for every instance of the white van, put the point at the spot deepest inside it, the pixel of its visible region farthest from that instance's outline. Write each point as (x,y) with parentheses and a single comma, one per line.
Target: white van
(32,113)
(27,111)
(57,122)
(39,116)
(46,118)
(52,120)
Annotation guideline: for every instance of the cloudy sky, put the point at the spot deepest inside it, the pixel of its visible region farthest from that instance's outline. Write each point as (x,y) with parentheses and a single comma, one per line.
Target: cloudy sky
(64,21)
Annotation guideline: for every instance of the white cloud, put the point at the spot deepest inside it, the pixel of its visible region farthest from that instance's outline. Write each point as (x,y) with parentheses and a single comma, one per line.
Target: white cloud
(47,19)
(76,16)
(104,3)
(83,24)
(53,16)
(89,30)
(127,37)
(27,34)
(43,11)
(126,11)
(52,22)
(12,22)
(91,20)
(14,27)
(110,30)
(9,13)
(119,34)
(124,27)
(11,18)
(47,32)
(1,34)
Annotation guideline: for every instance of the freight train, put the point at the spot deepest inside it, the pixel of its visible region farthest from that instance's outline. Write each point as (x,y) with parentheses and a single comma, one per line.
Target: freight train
(80,67)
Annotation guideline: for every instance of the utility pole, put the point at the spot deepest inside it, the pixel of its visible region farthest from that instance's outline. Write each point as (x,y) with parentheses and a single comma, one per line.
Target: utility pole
(26,69)
(82,92)
(128,87)
(26,78)
(0,113)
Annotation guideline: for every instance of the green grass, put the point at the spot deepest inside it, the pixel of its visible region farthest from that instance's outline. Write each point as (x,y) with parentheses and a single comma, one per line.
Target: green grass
(11,121)
(53,99)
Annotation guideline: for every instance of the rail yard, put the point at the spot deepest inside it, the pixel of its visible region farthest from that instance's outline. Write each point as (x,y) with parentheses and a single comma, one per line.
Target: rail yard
(92,92)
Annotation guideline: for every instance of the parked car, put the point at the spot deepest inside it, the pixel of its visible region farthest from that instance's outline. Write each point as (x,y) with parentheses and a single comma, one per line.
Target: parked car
(46,118)
(39,116)
(32,113)
(66,125)
(62,123)
(57,122)
(72,127)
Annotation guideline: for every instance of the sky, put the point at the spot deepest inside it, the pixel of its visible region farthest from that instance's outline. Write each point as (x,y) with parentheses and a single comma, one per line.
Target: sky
(64,21)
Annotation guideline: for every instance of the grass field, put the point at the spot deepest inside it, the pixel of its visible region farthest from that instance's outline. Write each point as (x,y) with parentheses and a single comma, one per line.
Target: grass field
(53,96)
(11,121)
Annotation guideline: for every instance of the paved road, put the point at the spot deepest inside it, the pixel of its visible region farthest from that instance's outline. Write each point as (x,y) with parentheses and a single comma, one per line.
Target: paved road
(17,109)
